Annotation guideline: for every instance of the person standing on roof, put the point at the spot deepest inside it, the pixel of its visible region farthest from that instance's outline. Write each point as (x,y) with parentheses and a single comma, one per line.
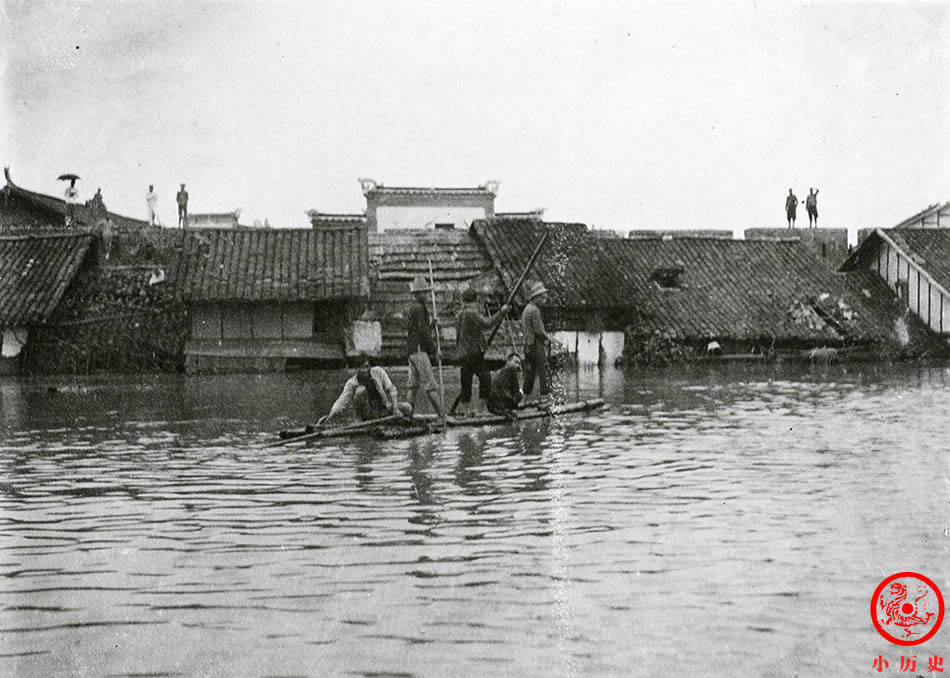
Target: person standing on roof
(470,324)
(791,206)
(151,199)
(182,198)
(72,198)
(535,340)
(420,346)
(811,206)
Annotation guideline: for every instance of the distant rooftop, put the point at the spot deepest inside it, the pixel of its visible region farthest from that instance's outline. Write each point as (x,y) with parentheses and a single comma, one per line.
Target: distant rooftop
(372,186)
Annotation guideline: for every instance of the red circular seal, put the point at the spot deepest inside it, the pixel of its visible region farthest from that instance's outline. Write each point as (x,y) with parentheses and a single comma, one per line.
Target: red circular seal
(907,608)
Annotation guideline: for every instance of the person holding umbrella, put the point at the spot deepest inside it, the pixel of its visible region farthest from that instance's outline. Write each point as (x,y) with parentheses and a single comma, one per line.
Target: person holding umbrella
(72,197)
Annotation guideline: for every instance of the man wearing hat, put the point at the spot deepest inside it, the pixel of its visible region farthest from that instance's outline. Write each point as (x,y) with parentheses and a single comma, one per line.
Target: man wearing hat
(470,324)
(420,346)
(535,338)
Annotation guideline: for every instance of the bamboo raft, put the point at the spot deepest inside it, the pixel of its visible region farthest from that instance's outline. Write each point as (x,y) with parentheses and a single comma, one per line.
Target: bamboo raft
(403,427)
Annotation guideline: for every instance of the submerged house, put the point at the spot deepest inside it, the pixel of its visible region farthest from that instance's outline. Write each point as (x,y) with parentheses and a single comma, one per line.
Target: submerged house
(458,262)
(261,300)
(757,297)
(912,265)
(35,272)
(590,303)
(612,296)
(409,227)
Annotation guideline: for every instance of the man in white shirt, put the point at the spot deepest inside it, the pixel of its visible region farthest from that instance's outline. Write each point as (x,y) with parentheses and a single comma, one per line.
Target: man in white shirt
(151,199)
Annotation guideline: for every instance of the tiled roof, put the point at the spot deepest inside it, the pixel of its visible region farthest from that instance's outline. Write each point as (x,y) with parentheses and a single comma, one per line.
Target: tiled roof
(735,289)
(397,257)
(570,265)
(742,289)
(56,207)
(928,247)
(931,216)
(422,190)
(316,215)
(34,273)
(536,214)
(370,186)
(892,315)
(273,264)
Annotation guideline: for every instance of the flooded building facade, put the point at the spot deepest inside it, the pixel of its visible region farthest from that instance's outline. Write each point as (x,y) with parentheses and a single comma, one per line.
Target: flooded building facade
(914,265)
(35,272)
(260,299)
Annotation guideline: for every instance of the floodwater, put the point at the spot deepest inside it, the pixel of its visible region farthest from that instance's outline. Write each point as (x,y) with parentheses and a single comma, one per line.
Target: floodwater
(717,521)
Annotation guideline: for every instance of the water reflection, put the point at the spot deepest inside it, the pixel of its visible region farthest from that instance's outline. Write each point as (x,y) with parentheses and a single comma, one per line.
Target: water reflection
(722,504)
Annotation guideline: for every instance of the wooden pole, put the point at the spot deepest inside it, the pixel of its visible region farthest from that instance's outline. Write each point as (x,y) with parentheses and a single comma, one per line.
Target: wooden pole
(514,290)
(511,297)
(438,343)
(334,431)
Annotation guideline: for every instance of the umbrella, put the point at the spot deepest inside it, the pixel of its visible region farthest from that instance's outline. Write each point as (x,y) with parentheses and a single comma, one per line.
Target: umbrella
(67,177)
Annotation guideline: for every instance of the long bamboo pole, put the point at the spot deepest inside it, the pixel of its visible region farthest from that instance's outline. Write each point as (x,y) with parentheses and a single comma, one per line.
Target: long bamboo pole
(334,431)
(438,343)
(511,297)
(517,286)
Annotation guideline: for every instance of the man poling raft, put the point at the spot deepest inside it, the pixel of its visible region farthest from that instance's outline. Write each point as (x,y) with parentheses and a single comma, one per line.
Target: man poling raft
(536,340)
(470,324)
(420,346)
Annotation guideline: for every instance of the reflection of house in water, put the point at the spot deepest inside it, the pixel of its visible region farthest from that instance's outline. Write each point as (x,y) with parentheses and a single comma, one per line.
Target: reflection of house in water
(35,272)
(260,299)
(914,265)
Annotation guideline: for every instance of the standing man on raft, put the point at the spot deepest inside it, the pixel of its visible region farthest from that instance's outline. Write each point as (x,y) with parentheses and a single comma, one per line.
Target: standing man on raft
(471,349)
(420,346)
(535,340)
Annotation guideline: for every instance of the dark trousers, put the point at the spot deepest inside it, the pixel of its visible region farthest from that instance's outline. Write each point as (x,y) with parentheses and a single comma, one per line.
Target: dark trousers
(474,366)
(367,408)
(536,363)
(502,404)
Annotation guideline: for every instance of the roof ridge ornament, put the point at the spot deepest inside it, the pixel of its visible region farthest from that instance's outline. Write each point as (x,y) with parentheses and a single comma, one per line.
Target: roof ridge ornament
(368,185)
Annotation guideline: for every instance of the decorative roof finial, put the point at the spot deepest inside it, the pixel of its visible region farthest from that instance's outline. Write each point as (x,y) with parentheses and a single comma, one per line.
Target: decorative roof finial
(368,185)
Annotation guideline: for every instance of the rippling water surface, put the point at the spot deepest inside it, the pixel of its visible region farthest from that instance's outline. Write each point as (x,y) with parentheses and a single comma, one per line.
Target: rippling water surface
(729,521)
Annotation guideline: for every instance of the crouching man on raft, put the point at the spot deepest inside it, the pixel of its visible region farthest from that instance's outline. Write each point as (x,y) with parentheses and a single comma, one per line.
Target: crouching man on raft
(371,392)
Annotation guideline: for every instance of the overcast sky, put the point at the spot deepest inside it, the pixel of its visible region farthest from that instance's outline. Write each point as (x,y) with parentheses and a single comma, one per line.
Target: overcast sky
(617,114)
